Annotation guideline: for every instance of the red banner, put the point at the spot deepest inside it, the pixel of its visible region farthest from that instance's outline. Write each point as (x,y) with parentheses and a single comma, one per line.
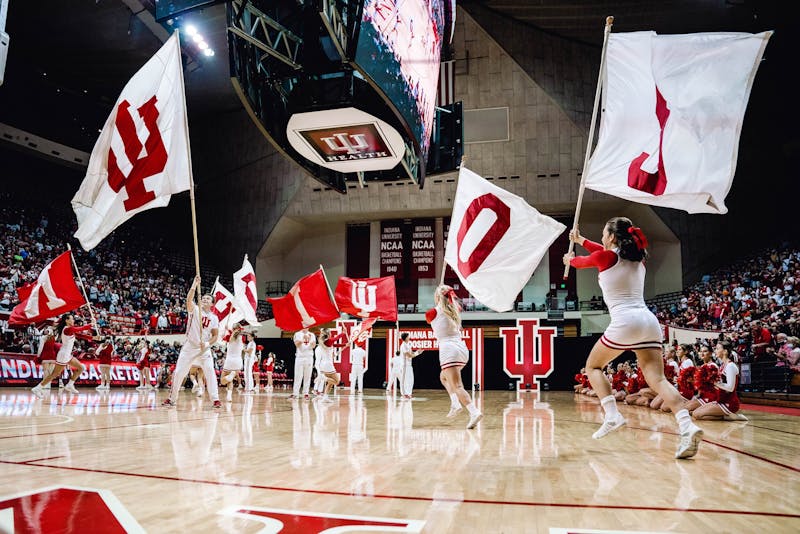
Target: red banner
(22,370)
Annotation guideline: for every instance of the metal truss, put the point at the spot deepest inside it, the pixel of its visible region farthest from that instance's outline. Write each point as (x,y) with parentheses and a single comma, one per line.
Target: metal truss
(254,26)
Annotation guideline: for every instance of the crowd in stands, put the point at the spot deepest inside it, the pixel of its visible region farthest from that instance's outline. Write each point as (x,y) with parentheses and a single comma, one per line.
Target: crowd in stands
(133,286)
(755,302)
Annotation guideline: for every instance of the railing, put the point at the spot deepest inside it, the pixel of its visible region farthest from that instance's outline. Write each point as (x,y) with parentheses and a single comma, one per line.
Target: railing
(766,377)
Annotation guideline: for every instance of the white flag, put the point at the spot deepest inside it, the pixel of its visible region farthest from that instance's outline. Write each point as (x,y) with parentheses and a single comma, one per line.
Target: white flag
(142,154)
(244,287)
(496,240)
(226,307)
(672,114)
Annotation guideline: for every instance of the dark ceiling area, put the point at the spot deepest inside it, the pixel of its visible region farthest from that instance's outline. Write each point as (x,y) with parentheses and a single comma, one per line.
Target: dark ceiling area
(68,60)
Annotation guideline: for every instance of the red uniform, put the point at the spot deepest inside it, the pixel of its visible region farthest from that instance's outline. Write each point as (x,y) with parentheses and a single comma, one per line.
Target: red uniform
(686,382)
(104,356)
(618,381)
(269,365)
(144,361)
(729,400)
(49,351)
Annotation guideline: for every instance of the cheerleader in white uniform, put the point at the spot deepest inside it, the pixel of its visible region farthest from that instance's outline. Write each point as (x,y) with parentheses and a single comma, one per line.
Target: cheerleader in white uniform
(325,351)
(408,354)
(202,330)
(445,320)
(304,341)
(68,331)
(249,360)
(633,327)
(233,360)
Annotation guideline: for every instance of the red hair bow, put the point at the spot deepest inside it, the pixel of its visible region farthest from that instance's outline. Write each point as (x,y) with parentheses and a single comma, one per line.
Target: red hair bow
(638,237)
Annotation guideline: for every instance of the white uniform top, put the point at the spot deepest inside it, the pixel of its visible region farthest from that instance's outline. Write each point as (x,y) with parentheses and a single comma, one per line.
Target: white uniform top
(398,362)
(67,342)
(406,351)
(306,349)
(687,363)
(142,355)
(233,354)
(325,355)
(358,356)
(444,329)
(251,347)
(623,286)
(208,322)
(235,347)
(674,365)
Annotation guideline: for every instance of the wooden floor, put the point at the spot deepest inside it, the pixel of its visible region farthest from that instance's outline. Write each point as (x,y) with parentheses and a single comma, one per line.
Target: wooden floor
(530,466)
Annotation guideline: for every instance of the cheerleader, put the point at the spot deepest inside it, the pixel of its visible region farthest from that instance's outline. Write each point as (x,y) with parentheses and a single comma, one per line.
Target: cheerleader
(304,341)
(143,364)
(684,353)
(358,357)
(202,331)
(619,381)
(104,353)
(671,369)
(579,380)
(619,261)
(395,373)
(408,354)
(727,404)
(325,352)
(69,332)
(233,360)
(705,378)
(250,358)
(269,368)
(48,348)
(445,321)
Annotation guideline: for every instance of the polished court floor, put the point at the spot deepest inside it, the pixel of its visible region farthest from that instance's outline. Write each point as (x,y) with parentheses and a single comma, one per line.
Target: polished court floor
(265,463)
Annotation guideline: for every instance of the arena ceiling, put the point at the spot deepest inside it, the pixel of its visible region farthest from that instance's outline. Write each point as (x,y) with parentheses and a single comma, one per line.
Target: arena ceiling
(68,60)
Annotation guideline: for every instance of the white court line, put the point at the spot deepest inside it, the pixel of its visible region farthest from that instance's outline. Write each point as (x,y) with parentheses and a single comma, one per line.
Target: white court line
(67,419)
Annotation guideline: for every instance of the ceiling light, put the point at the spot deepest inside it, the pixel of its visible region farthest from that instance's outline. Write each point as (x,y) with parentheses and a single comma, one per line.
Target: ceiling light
(197,37)
(202,45)
(191,30)
(208,52)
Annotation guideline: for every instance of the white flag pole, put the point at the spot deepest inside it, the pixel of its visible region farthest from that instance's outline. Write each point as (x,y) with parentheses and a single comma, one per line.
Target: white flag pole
(191,175)
(590,140)
(83,289)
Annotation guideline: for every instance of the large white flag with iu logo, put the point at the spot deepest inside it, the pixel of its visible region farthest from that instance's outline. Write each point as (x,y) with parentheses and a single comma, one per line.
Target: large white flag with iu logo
(496,240)
(672,114)
(142,154)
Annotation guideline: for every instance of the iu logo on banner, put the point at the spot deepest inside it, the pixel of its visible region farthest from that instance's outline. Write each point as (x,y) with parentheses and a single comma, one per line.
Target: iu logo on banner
(528,352)
(276,520)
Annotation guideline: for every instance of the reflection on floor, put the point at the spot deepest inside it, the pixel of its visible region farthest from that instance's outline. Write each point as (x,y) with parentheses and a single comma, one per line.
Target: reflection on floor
(268,462)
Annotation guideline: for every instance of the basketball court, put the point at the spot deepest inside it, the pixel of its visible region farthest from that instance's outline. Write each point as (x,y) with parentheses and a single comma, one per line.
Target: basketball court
(377,463)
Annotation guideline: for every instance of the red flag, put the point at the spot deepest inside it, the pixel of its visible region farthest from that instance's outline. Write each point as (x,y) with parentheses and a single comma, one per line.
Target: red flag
(368,297)
(362,332)
(53,293)
(307,304)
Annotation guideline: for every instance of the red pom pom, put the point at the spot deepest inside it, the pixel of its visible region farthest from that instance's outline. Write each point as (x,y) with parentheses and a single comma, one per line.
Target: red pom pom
(259,347)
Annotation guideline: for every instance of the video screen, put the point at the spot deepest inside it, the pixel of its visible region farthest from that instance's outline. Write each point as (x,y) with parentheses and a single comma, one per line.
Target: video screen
(399,48)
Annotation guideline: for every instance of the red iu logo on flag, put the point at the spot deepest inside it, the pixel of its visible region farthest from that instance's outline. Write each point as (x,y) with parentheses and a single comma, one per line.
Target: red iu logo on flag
(528,352)
(651,182)
(142,164)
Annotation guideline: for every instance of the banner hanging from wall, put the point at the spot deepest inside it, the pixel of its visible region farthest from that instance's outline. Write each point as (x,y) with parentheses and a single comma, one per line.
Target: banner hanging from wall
(423,248)
(393,249)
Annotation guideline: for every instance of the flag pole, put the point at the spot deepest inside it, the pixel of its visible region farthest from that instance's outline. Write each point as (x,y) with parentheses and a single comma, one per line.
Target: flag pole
(83,288)
(590,140)
(191,178)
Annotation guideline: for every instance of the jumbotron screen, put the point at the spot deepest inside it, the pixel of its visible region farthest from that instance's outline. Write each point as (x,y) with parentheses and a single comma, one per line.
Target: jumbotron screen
(399,47)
